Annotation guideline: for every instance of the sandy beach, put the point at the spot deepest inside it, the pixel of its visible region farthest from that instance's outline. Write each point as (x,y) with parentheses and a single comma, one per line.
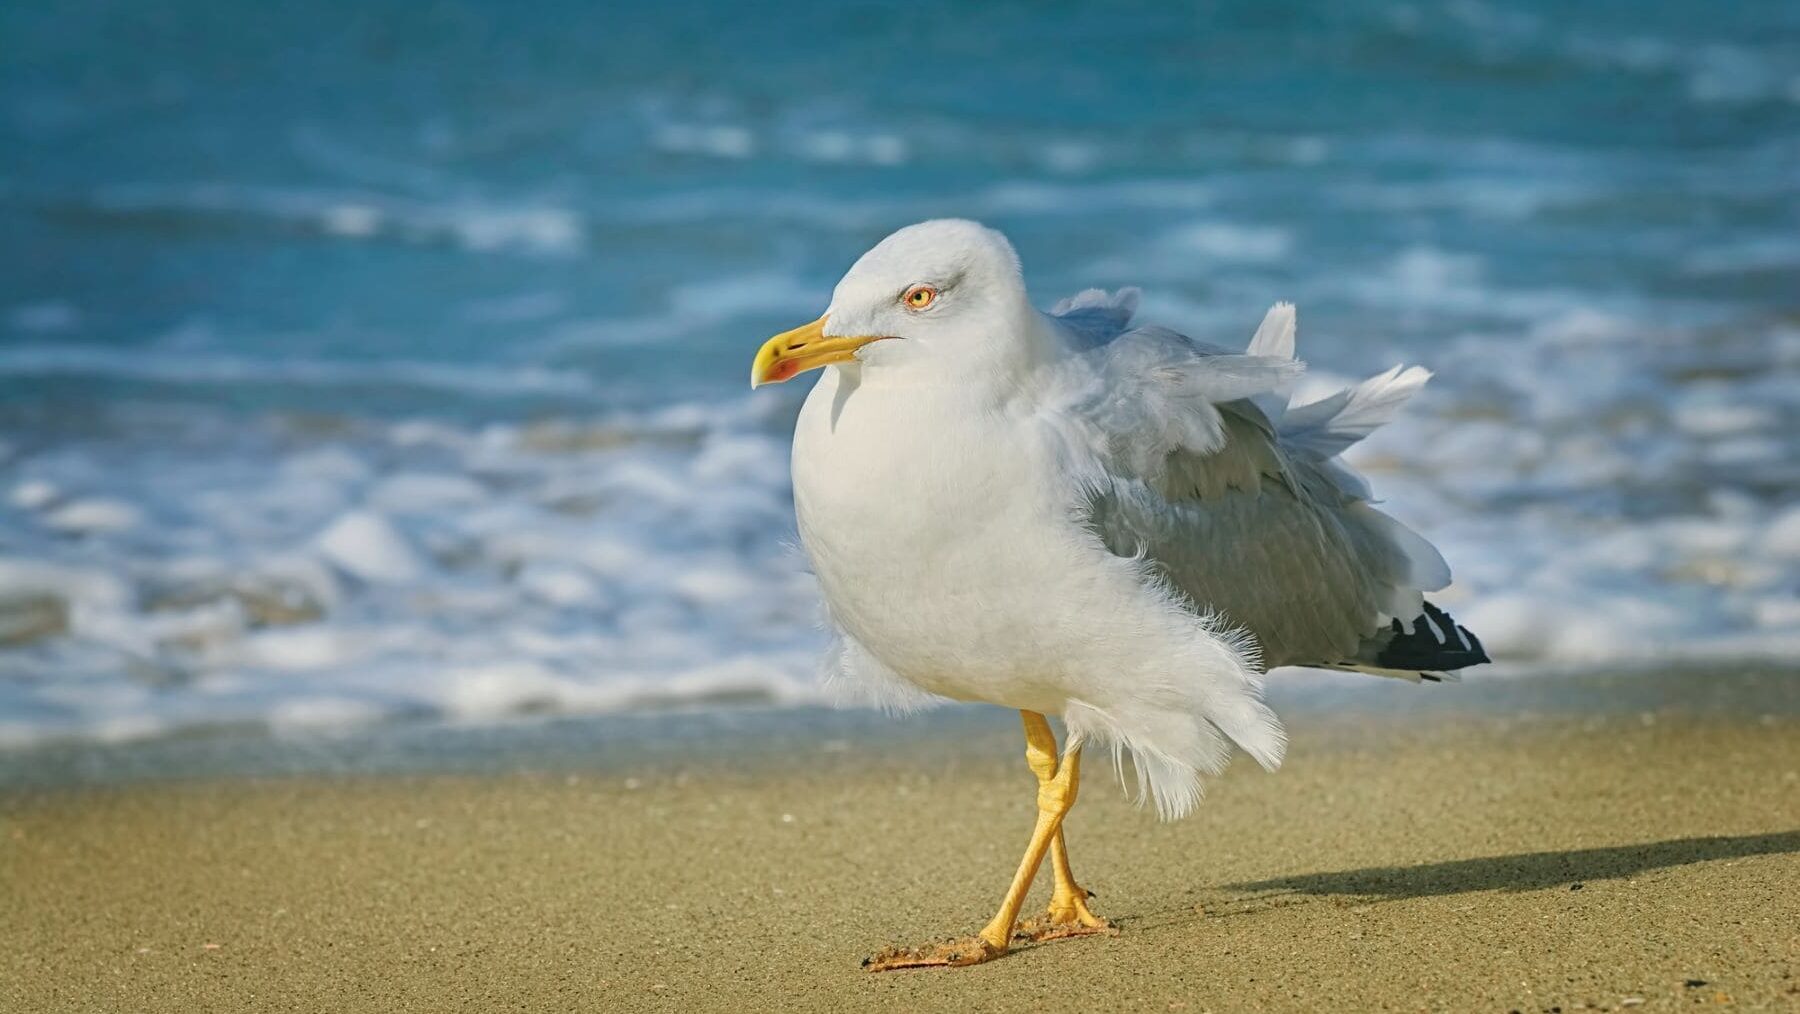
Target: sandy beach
(1505,860)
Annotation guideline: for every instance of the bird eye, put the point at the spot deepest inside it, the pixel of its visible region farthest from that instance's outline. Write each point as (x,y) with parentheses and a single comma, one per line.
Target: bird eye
(919,296)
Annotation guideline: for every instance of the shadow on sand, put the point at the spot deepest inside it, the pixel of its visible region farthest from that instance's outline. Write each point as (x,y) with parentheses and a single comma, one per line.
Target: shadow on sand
(1527,871)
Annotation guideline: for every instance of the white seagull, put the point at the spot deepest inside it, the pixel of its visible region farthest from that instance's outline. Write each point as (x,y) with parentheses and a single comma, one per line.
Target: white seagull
(1070,515)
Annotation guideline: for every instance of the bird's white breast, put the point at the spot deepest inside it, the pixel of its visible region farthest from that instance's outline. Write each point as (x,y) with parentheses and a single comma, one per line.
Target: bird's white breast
(938,541)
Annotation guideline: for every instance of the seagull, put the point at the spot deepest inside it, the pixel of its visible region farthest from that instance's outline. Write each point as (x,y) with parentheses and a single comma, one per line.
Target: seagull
(1068,514)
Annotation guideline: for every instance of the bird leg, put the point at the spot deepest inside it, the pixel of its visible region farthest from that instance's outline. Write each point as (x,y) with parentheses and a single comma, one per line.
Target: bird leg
(1069,915)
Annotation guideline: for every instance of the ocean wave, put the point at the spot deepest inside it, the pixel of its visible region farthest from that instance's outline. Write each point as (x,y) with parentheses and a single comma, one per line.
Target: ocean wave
(157,365)
(1600,508)
(475,225)
(418,568)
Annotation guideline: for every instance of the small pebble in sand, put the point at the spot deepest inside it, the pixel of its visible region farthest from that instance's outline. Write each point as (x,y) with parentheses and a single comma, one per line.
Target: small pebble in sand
(1632,1001)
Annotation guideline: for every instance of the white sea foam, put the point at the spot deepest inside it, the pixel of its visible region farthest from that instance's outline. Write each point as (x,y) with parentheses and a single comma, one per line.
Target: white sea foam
(1223,241)
(94,515)
(365,544)
(481,570)
(347,578)
(718,140)
(33,495)
(153,364)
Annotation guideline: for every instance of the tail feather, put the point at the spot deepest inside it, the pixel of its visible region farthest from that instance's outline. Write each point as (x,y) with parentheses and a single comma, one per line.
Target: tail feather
(1432,647)
(1327,426)
(1274,339)
(1330,425)
(1275,335)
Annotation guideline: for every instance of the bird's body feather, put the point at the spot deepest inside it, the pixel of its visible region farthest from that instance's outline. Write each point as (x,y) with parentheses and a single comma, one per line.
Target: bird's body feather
(1017,601)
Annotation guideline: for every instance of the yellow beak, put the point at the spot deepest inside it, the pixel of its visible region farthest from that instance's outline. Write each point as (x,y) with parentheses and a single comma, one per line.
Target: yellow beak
(791,353)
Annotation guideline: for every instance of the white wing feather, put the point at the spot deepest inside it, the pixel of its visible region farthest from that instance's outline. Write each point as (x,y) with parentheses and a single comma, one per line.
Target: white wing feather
(1198,463)
(1327,427)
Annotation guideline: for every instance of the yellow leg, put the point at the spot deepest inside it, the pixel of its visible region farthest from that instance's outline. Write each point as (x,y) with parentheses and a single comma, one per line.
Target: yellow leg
(1057,786)
(1056,794)
(1069,914)
(1069,910)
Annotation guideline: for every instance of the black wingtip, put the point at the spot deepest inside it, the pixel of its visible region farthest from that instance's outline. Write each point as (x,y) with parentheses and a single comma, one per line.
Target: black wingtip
(1435,644)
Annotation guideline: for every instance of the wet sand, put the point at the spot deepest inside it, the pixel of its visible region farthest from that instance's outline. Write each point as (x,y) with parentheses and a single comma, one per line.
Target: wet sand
(1501,862)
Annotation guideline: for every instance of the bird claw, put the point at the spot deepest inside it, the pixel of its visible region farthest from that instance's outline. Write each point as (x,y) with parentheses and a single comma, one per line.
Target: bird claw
(1045,928)
(948,954)
(1068,916)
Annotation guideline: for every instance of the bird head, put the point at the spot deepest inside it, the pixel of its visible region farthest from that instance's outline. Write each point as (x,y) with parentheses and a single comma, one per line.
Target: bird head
(939,295)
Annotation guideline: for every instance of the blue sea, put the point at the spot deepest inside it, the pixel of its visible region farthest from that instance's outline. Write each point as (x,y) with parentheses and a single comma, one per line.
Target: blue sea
(364,362)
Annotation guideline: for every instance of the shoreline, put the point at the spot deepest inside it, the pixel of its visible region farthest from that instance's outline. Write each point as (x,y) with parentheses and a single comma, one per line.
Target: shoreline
(725,733)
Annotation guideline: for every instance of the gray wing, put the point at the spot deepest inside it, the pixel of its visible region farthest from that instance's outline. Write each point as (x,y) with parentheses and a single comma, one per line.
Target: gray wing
(1270,532)
(1269,542)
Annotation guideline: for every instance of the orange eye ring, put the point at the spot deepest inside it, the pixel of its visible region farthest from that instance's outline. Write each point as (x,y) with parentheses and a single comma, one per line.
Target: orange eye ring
(919,297)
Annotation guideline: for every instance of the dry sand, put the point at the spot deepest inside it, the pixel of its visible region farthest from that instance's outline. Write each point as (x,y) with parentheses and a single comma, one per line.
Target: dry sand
(1447,863)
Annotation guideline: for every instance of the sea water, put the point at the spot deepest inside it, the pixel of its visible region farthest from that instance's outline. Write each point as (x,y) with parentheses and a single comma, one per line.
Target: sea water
(365,361)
